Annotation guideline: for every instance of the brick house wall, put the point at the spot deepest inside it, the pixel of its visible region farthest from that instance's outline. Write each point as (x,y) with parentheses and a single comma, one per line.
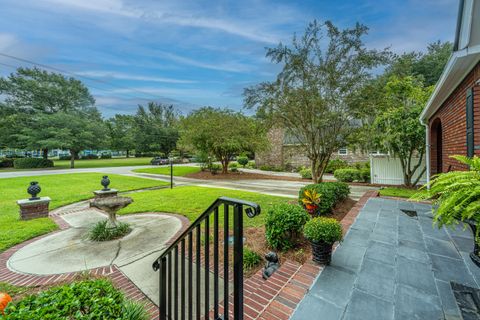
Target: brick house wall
(448,126)
(293,156)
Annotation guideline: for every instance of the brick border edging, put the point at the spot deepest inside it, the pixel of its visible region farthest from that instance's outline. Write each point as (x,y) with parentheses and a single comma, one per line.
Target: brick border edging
(286,288)
(121,282)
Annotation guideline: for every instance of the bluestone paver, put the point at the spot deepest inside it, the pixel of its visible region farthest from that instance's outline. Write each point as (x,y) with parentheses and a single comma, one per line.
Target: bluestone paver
(393,266)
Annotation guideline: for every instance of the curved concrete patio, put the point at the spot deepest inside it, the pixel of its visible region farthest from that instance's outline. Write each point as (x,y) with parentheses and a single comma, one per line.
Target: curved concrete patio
(70,250)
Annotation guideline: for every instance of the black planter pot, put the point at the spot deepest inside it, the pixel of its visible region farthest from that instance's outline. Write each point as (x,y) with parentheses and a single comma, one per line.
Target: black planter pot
(321,252)
(476,249)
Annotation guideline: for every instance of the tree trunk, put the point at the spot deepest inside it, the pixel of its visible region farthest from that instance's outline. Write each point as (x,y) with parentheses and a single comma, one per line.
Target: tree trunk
(72,159)
(128,153)
(45,153)
(224,162)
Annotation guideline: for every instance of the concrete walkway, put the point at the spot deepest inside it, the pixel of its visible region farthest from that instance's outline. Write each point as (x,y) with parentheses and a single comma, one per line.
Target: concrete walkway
(393,266)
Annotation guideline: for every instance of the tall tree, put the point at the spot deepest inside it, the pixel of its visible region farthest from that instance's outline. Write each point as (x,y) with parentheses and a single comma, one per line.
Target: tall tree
(35,92)
(313,94)
(397,128)
(156,128)
(221,133)
(74,131)
(121,132)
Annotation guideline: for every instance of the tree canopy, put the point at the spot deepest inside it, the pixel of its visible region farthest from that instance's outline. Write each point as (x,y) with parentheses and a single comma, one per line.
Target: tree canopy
(313,95)
(221,133)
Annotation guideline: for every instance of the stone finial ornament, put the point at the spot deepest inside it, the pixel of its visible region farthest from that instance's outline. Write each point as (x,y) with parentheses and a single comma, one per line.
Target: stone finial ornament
(33,190)
(105,183)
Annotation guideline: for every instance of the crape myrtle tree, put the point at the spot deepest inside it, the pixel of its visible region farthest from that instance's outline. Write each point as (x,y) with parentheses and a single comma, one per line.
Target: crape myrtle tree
(397,128)
(31,93)
(221,133)
(313,95)
(156,128)
(121,133)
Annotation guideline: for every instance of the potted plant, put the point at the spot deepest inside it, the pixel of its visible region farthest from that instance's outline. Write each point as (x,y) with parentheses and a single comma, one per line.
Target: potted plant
(456,197)
(322,233)
(311,200)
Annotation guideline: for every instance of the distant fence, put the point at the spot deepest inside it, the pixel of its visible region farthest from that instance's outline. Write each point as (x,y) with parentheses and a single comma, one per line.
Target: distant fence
(388,170)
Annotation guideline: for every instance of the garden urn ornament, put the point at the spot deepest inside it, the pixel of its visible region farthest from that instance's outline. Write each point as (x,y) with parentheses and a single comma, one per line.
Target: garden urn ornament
(5,299)
(105,183)
(34,189)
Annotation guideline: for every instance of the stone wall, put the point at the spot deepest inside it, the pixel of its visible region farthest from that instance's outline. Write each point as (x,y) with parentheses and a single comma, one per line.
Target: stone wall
(451,118)
(274,155)
(293,156)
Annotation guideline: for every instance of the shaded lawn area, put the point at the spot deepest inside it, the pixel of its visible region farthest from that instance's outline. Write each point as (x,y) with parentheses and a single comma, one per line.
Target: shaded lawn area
(102,163)
(399,192)
(191,201)
(178,171)
(62,189)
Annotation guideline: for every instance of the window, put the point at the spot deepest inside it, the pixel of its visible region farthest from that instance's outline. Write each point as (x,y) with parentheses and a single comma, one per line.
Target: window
(343,151)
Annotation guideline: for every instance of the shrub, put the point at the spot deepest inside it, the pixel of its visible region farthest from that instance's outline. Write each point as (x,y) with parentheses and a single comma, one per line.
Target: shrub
(283,224)
(106,156)
(6,163)
(89,157)
(28,163)
(215,168)
(242,160)
(88,299)
(233,166)
(322,229)
(306,173)
(134,311)
(365,174)
(330,193)
(101,232)
(251,164)
(336,164)
(347,175)
(250,259)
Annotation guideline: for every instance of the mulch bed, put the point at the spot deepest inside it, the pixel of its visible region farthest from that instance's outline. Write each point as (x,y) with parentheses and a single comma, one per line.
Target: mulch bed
(256,241)
(207,175)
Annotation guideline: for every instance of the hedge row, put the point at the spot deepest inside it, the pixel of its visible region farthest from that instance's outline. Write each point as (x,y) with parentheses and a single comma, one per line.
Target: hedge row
(6,163)
(351,174)
(29,163)
(330,193)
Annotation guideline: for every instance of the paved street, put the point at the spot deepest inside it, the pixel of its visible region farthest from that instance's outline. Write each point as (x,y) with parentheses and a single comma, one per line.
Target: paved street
(393,266)
(265,186)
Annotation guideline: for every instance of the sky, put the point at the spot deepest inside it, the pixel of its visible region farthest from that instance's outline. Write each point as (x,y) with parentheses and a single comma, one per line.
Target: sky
(192,53)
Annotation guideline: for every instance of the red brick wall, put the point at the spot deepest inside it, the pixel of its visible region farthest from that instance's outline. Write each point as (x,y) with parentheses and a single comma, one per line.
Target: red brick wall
(452,116)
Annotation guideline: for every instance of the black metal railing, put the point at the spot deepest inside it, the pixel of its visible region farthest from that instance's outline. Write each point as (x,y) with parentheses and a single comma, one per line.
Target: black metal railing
(181,289)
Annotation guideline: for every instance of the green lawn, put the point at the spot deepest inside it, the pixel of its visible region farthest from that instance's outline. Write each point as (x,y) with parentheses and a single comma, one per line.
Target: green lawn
(178,171)
(399,192)
(102,163)
(191,201)
(62,189)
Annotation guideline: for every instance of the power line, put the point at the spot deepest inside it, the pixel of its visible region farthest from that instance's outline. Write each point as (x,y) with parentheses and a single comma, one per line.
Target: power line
(80,76)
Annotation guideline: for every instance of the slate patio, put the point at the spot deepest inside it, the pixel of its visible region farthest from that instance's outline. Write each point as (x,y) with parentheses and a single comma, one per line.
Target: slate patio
(393,266)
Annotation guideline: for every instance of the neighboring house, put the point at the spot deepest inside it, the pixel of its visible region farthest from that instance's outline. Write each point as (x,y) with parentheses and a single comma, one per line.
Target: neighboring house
(286,152)
(452,115)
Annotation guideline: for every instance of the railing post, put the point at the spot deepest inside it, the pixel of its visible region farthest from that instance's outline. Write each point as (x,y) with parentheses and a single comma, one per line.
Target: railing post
(163,289)
(238,262)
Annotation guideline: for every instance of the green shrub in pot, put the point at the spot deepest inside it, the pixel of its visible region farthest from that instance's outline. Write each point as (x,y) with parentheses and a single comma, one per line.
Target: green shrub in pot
(322,233)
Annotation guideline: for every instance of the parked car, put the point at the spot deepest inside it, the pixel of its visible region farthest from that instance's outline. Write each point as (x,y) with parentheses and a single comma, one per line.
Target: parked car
(159,161)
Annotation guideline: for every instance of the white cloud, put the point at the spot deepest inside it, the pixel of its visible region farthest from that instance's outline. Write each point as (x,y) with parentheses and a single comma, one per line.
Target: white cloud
(126,76)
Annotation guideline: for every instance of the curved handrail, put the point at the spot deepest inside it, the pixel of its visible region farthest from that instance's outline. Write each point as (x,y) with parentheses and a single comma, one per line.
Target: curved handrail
(222,200)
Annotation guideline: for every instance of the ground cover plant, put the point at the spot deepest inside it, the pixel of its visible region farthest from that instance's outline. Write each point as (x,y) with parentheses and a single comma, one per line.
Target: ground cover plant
(87,299)
(398,192)
(102,232)
(62,189)
(331,193)
(178,171)
(191,201)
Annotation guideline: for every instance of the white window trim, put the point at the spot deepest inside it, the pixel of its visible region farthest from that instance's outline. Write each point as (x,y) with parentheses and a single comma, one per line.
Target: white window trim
(341,153)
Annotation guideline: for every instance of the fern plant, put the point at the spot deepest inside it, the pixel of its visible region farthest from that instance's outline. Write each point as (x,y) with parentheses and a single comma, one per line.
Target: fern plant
(456,194)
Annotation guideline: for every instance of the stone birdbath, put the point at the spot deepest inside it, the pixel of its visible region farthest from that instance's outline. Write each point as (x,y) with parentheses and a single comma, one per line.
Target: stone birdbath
(111,206)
